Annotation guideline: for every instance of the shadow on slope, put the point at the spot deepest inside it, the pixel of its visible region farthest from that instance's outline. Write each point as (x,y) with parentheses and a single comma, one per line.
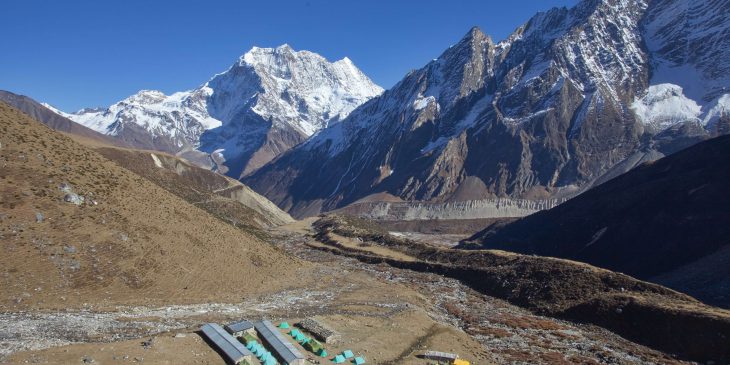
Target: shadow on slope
(654,220)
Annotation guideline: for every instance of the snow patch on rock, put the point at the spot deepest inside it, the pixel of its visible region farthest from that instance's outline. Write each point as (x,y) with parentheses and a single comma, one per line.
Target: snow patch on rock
(720,108)
(156,160)
(665,105)
(422,102)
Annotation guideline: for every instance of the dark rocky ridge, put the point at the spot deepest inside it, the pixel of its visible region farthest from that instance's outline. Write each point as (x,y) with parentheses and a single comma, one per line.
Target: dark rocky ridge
(659,222)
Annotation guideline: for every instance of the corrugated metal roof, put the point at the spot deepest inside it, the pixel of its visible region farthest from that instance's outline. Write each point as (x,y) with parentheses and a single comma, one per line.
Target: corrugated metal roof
(440,355)
(235,350)
(239,326)
(281,346)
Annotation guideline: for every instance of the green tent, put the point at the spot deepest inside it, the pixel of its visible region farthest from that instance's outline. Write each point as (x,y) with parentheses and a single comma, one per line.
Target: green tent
(267,357)
(313,346)
(284,325)
(248,338)
(323,353)
(299,337)
(339,359)
(358,361)
(348,354)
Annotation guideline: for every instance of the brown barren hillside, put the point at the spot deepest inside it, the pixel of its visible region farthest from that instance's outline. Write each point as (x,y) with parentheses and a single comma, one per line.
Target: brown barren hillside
(57,122)
(128,242)
(220,195)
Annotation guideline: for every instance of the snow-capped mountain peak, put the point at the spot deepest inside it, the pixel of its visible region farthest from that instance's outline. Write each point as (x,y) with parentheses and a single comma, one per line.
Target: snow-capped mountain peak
(269,100)
(146,97)
(299,88)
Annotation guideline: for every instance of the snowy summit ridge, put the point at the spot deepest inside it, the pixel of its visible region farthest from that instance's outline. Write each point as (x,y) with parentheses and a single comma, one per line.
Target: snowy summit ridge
(269,100)
(299,86)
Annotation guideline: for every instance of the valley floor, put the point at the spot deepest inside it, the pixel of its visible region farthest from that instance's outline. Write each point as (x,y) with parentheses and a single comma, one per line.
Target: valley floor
(388,315)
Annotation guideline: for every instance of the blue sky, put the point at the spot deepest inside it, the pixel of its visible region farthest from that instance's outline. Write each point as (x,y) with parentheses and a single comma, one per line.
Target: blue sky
(81,53)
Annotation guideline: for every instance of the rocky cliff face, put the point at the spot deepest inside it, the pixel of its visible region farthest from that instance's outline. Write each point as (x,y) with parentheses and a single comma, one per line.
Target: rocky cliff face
(572,96)
(270,100)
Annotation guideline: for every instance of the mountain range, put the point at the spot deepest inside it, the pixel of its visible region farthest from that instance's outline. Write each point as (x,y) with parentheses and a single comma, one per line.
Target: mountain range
(91,231)
(268,101)
(592,135)
(572,98)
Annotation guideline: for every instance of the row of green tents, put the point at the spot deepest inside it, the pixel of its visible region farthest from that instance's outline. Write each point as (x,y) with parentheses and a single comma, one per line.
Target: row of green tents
(316,347)
(308,343)
(261,353)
